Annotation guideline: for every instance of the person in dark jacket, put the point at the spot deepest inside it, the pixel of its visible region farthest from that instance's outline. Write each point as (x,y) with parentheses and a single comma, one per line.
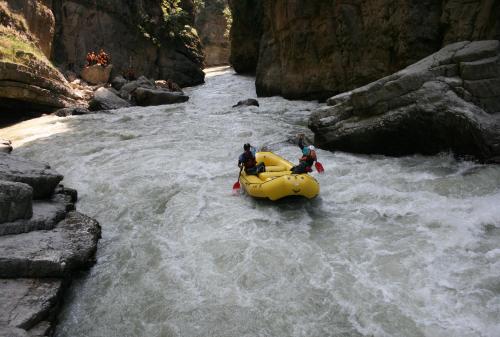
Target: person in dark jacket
(308,158)
(247,160)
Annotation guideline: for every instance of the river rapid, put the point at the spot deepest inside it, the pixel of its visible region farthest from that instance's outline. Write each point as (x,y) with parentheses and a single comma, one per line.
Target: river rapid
(391,247)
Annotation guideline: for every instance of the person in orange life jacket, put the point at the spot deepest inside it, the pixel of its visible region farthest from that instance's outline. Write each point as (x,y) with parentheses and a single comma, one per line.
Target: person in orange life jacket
(248,161)
(308,157)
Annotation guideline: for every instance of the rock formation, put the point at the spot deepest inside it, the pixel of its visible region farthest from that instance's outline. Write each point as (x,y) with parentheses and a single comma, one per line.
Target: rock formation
(134,33)
(211,24)
(314,49)
(43,242)
(28,81)
(449,101)
(142,37)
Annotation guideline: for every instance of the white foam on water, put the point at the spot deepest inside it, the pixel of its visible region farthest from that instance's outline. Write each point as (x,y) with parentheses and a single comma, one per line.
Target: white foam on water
(392,247)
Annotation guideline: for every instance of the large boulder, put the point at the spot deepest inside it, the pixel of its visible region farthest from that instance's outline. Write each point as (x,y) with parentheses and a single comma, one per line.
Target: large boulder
(69,247)
(147,97)
(127,89)
(39,176)
(15,202)
(105,99)
(118,82)
(96,74)
(448,101)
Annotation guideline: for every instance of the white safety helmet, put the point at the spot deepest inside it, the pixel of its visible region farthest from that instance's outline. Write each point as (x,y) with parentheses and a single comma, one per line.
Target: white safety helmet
(312,148)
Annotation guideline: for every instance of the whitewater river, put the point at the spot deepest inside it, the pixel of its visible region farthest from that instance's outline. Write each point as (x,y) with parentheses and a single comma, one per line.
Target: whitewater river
(392,247)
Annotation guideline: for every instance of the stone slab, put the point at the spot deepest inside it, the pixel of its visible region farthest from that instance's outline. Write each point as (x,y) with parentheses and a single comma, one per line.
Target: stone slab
(39,176)
(70,246)
(15,201)
(24,303)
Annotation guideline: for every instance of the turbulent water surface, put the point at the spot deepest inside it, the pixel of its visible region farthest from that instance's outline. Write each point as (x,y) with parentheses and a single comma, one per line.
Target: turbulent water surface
(392,247)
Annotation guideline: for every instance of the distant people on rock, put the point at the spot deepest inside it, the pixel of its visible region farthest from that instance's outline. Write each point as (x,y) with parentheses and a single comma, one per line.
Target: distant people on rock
(308,157)
(102,59)
(91,59)
(249,163)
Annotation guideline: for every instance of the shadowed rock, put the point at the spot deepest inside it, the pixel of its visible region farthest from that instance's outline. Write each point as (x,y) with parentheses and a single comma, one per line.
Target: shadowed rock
(448,101)
(105,99)
(72,112)
(15,201)
(46,215)
(147,97)
(127,89)
(247,102)
(5,146)
(118,82)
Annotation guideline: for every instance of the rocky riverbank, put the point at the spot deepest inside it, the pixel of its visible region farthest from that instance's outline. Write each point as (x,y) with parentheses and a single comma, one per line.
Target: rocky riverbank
(44,242)
(43,47)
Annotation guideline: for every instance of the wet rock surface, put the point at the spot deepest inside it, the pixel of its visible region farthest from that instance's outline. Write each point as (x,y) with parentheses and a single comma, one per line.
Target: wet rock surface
(445,102)
(247,102)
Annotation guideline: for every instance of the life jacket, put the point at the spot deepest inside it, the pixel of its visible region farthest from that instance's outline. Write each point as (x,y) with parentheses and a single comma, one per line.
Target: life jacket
(309,159)
(249,160)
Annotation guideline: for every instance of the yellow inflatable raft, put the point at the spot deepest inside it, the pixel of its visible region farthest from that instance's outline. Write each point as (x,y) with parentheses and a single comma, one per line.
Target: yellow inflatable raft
(278,181)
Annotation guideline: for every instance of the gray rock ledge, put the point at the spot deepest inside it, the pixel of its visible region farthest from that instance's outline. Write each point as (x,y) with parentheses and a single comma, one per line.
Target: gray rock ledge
(449,101)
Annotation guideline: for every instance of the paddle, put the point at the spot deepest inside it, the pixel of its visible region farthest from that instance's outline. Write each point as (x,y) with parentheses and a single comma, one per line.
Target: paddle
(319,167)
(237,185)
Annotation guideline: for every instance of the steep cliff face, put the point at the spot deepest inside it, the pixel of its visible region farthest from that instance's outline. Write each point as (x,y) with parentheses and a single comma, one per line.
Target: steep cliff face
(246,33)
(313,49)
(39,19)
(28,80)
(211,24)
(137,34)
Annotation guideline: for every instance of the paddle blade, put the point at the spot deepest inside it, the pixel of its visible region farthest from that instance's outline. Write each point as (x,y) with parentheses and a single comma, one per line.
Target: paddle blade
(319,167)
(236,187)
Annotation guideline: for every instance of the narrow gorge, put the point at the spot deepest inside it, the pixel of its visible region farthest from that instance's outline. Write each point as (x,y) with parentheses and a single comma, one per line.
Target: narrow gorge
(122,126)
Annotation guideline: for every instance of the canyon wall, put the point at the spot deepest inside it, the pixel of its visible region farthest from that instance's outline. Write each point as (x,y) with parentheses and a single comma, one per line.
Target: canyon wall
(314,49)
(246,32)
(212,25)
(136,34)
